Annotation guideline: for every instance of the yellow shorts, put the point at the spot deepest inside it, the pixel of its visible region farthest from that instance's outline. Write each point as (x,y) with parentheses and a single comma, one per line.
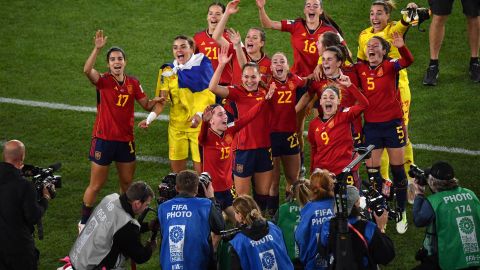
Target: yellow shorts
(178,143)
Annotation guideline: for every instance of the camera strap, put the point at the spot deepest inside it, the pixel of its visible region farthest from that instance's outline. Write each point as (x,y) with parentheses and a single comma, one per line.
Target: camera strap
(359,235)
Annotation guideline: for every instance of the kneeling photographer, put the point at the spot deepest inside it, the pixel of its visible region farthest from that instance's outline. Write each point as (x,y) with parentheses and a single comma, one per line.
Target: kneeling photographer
(112,234)
(185,225)
(20,211)
(451,215)
(370,245)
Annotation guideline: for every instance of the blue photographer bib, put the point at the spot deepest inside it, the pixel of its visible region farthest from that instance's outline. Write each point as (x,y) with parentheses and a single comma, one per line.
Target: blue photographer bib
(312,216)
(268,253)
(184,224)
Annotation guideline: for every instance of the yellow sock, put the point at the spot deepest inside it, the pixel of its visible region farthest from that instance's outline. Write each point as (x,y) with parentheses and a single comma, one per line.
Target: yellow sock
(384,165)
(408,157)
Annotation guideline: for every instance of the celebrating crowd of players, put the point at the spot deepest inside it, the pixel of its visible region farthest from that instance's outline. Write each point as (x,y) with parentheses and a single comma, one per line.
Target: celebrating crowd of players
(240,114)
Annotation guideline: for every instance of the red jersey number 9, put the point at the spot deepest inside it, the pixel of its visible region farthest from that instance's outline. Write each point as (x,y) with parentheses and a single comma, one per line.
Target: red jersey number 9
(325,137)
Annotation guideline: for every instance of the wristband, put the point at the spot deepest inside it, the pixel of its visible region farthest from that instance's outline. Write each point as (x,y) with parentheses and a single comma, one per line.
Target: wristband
(151,116)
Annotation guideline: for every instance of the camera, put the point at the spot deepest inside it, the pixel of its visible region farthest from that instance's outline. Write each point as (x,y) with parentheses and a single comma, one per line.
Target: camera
(166,189)
(44,177)
(418,174)
(376,202)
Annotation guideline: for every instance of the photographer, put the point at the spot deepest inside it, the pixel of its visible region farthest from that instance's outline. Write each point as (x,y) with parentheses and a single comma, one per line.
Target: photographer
(451,215)
(370,245)
(20,211)
(112,233)
(186,223)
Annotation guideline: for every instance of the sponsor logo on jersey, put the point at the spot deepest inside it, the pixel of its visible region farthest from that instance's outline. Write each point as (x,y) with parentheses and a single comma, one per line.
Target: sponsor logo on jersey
(203,43)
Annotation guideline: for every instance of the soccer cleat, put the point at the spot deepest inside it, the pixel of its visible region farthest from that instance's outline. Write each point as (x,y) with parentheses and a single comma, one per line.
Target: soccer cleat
(80,227)
(474,72)
(431,76)
(402,225)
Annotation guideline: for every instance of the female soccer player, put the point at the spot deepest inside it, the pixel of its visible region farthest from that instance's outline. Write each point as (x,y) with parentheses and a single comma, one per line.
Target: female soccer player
(252,51)
(330,133)
(312,216)
(259,244)
(304,34)
(184,83)
(383,118)
(285,146)
(252,143)
(208,46)
(112,138)
(215,140)
(382,26)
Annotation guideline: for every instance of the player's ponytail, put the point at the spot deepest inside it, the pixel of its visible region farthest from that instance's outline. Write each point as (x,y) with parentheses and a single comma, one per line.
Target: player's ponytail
(328,20)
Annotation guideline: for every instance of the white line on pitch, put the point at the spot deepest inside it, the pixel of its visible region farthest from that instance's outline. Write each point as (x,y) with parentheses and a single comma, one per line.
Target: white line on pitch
(60,106)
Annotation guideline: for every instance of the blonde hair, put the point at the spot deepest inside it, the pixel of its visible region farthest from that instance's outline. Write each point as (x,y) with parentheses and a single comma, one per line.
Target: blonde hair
(301,191)
(321,185)
(248,208)
(388,5)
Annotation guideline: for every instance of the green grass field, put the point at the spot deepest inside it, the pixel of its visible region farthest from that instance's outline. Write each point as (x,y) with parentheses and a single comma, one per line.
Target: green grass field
(45,44)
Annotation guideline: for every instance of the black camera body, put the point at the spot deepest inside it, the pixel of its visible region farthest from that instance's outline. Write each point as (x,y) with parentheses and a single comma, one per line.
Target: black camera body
(377,203)
(166,189)
(44,177)
(418,174)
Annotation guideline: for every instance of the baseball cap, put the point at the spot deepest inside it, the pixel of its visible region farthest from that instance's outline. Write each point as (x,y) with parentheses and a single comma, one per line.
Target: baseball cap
(441,170)
(352,197)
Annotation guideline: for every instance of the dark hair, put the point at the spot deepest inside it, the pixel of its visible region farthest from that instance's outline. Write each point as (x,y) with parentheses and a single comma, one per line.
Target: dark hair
(385,45)
(139,191)
(187,181)
(116,49)
(190,41)
(330,38)
(338,53)
(388,5)
(216,4)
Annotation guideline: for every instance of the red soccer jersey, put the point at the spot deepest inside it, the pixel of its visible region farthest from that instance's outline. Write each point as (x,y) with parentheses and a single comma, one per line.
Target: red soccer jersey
(283,116)
(305,55)
(209,47)
(115,107)
(257,133)
(217,154)
(317,87)
(331,141)
(264,64)
(380,86)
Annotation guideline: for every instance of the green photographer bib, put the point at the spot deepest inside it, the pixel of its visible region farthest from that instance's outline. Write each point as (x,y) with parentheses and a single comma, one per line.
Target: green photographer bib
(457,224)
(288,218)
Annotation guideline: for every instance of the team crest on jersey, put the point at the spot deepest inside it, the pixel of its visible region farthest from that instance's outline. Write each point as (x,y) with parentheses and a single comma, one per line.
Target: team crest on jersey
(98,155)
(263,70)
(130,89)
(228,139)
(239,168)
(331,124)
(380,72)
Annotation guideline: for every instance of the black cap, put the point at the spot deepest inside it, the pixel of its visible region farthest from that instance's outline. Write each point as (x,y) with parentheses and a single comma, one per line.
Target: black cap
(441,170)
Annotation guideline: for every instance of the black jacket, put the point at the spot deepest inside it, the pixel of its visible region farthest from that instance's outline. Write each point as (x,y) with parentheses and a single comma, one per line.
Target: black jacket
(127,241)
(19,211)
(256,231)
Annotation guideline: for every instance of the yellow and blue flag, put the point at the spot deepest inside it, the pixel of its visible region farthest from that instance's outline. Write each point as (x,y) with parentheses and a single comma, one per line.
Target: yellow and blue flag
(195,74)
